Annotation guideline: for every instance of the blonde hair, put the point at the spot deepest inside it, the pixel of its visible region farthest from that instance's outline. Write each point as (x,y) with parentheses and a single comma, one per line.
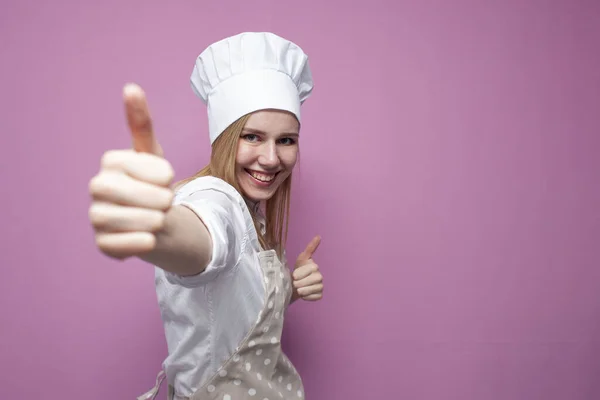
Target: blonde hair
(223,165)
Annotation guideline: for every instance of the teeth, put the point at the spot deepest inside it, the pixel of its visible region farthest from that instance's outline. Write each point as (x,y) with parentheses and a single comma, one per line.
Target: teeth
(261,177)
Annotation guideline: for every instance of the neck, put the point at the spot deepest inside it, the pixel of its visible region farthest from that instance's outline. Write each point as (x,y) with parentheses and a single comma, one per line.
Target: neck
(252,205)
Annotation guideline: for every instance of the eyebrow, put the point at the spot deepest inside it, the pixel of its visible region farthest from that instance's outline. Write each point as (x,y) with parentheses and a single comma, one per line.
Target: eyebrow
(250,130)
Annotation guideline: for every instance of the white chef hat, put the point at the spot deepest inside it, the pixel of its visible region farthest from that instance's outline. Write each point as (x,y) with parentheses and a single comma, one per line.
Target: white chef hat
(248,72)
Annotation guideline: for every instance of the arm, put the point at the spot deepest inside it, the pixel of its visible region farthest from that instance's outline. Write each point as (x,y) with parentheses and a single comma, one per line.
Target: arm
(133,213)
(183,245)
(203,230)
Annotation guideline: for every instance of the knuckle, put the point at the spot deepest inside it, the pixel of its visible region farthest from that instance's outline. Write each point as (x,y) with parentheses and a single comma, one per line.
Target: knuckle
(169,172)
(167,197)
(103,185)
(96,216)
(101,242)
(118,160)
(96,185)
(143,121)
(148,243)
(108,159)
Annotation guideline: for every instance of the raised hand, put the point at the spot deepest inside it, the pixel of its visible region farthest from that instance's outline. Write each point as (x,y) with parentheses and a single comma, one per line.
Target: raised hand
(131,193)
(307,279)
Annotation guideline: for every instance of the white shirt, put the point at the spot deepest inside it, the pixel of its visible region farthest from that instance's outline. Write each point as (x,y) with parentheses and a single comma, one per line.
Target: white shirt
(207,315)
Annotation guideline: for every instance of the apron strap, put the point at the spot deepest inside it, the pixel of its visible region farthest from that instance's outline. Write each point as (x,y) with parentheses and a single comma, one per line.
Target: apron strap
(152,393)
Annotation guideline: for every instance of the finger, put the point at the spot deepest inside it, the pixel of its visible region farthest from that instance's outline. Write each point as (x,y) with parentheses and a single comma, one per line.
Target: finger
(307,254)
(109,217)
(304,270)
(139,120)
(116,187)
(310,290)
(141,166)
(121,245)
(312,297)
(312,279)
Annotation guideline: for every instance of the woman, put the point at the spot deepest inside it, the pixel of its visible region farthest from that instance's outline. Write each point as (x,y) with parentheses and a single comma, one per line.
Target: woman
(217,240)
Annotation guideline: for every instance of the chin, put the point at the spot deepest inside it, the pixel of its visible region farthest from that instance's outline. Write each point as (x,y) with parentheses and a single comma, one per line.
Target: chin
(254,193)
(257,195)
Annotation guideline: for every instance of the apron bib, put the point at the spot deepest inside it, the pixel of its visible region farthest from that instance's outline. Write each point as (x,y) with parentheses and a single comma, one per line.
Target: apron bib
(258,369)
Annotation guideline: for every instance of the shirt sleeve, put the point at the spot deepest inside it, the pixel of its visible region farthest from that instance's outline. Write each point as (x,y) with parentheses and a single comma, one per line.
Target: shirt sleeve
(223,216)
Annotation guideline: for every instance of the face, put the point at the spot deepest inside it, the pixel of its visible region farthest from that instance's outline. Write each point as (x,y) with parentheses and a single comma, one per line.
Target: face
(267,153)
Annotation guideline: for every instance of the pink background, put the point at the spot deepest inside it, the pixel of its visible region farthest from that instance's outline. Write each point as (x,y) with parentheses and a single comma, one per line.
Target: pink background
(449,161)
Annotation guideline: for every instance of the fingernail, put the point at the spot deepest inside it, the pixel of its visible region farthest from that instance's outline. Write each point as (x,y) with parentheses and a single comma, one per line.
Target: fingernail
(132,89)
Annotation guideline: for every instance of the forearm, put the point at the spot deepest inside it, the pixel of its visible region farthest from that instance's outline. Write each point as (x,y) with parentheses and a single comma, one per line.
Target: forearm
(183,246)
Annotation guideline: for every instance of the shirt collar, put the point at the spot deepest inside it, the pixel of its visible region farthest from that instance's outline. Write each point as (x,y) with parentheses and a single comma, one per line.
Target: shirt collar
(260,218)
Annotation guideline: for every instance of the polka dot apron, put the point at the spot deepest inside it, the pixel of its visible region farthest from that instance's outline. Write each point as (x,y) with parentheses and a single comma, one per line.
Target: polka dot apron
(258,369)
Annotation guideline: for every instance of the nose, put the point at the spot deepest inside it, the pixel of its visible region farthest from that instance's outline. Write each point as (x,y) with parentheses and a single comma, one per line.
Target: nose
(268,157)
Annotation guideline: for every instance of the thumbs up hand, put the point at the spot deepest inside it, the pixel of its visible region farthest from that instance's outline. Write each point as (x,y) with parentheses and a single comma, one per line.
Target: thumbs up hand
(131,193)
(307,279)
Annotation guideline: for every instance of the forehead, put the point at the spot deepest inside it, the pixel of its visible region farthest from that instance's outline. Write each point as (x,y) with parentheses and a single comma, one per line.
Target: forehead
(273,122)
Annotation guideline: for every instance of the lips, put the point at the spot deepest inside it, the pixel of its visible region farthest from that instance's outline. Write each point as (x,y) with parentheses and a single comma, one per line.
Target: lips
(262,177)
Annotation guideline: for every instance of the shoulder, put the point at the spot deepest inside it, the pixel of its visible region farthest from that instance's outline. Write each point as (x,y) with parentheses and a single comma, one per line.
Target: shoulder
(219,205)
(225,215)
(209,186)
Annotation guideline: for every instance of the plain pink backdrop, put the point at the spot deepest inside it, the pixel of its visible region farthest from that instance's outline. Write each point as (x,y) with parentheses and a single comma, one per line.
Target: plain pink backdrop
(449,161)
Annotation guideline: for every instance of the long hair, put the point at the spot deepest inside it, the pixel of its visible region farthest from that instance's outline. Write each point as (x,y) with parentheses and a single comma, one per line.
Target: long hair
(223,165)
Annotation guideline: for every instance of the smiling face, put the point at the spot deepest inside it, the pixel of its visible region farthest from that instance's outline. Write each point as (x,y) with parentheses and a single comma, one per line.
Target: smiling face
(267,153)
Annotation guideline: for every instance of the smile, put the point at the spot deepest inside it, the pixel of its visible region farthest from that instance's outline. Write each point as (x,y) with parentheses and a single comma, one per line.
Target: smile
(261,176)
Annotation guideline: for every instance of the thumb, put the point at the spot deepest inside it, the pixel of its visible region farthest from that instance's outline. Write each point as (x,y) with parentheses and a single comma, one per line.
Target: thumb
(310,249)
(139,120)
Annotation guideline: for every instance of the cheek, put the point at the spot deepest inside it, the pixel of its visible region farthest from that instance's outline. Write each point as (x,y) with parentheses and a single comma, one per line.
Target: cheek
(289,157)
(244,155)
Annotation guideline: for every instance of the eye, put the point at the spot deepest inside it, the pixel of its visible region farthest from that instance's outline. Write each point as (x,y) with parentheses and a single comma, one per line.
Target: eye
(287,141)
(250,137)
